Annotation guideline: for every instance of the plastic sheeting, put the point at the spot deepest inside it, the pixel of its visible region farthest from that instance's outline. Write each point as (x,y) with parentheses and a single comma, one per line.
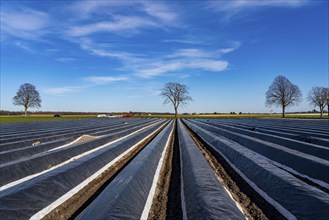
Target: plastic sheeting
(34,130)
(265,127)
(289,195)
(205,197)
(27,166)
(24,200)
(16,154)
(311,128)
(312,149)
(126,195)
(63,139)
(27,138)
(309,165)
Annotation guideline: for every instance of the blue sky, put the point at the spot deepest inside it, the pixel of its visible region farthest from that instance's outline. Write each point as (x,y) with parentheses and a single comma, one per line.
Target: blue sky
(117,55)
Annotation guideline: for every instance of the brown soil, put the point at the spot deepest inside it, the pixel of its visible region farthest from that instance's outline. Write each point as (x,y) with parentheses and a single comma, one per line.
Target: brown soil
(240,194)
(174,204)
(159,203)
(36,143)
(85,138)
(73,206)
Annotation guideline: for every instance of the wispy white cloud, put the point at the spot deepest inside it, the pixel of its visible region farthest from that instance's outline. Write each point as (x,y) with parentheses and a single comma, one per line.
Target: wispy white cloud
(238,5)
(192,52)
(209,65)
(242,7)
(23,46)
(65,59)
(105,79)
(143,89)
(159,10)
(234,46)
(160,68)
(89,82)
(145,66)
(86,9)
(25,23)
(115,19)
(201,53)
(119,24)
(91,47)
(184,59)
(155,9)
(183,76)
(61,91)
(183,41)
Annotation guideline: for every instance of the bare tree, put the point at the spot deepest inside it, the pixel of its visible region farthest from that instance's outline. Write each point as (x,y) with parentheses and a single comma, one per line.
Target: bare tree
(326,95)
(318,97)
(27,96)
(283,93)
(177,94)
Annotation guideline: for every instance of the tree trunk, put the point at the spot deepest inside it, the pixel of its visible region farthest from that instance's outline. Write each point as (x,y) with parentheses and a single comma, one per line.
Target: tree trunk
(321,111)
(25,111)
(283,111)
(175,112)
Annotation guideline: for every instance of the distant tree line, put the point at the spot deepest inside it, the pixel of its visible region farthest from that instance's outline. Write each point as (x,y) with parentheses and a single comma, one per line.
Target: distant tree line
(281,93)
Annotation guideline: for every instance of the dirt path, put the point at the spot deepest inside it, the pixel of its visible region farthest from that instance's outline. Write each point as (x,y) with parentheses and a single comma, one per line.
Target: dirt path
(160,201)
(174,205)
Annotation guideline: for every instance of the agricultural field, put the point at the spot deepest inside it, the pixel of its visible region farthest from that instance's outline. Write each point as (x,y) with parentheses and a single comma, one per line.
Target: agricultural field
(157,168)
(40,117)
(50,117)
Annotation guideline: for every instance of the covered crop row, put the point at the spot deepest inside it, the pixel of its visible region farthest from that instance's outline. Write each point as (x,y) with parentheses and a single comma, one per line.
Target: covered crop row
(50,188)
(308,160)
(310,131)
(39,127)
(26,166)
(282,176)
(68,139)
(149,168)
(203,195)
(69,131)
(130,194)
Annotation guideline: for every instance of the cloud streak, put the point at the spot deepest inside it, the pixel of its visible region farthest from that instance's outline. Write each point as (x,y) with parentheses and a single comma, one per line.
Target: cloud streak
(185,59)
(148,14)
(98,80)
(25,24)
(239,5)
(238,9)
(65,59)
(166,64)
(163,68)
(90,81)
(119,24)
(61,91)
(24,46)
(97,50)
